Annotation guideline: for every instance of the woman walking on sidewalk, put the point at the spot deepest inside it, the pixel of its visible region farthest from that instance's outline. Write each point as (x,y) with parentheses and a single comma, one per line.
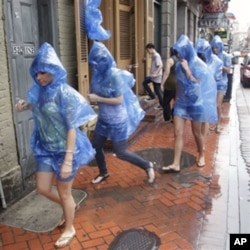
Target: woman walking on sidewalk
(119,111)
(215,65)
(57,142)
(218,49)
(191,73)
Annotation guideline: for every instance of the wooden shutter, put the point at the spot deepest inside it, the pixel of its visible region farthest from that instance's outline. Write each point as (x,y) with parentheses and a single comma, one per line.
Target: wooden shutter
(124,33)
(81,48)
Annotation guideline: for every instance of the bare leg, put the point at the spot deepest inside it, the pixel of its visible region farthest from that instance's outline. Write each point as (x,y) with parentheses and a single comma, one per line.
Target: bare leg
(68,205)
(196,129)
(220,97)
(67,201)
(44,182)
(204,132)
(178,130)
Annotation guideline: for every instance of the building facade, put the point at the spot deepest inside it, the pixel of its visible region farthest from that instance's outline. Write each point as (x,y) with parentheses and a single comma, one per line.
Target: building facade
(26,24)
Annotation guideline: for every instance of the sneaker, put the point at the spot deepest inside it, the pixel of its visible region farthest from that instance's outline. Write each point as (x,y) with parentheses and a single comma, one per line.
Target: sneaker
(151,173)
(148,99)
(158,107)
(100,178)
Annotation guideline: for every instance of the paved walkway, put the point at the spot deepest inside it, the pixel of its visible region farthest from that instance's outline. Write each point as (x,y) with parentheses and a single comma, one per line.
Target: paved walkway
(195,209)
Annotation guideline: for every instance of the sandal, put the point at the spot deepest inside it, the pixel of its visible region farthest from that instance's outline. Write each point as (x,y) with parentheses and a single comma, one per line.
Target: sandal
(63,241)
(201,162)
(170,169)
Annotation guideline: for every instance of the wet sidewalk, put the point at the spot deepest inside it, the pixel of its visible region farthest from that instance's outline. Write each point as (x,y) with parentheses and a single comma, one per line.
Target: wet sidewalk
(187,210)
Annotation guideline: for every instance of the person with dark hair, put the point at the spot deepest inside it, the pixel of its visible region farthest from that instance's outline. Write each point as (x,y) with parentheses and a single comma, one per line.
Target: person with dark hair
(119,111)
(168,86)
(155,76)
(59,146)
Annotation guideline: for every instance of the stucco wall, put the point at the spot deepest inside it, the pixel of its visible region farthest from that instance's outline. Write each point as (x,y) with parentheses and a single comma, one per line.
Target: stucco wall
(168,26)
(67,38)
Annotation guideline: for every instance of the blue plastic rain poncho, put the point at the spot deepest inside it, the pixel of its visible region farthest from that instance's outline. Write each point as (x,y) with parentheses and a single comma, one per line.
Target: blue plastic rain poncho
(56,108)
(189,101)
(93,20)
(226,59)
(116,122)
(215,65)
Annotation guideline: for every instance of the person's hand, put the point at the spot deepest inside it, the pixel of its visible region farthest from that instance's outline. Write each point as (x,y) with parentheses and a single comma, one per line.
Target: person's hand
(66,169)
(22,105)
(93,97)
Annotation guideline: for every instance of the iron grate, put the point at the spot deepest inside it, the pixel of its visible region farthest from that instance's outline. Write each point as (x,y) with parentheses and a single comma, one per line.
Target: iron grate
(135,239)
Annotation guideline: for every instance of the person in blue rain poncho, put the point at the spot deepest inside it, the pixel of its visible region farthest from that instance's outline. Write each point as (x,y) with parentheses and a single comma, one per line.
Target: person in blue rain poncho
(59,146)
(218,49)
(215,65)
(119,110)
(191,74)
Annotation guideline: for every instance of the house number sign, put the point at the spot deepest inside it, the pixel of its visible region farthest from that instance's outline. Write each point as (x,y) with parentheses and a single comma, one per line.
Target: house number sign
(27,50)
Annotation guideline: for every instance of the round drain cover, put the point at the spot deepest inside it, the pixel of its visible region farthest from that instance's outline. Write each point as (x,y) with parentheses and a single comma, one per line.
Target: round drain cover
(135,239)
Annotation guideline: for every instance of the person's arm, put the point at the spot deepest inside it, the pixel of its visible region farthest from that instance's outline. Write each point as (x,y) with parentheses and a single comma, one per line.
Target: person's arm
(22,105)
(169,64)
(227,63)
(187,70)
(113,100)
(226,70)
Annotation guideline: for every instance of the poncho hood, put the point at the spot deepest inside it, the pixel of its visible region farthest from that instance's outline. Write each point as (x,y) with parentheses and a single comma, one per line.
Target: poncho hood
(46,60)
(185,48)
(100,59)
(217,42)
(203,47)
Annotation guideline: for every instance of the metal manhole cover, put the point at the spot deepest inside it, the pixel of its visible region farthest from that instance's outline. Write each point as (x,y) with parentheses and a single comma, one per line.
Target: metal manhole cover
(165,156)
(135,239)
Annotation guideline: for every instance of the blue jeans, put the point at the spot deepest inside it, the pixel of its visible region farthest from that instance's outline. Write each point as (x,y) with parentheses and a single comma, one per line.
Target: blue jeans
(119,148)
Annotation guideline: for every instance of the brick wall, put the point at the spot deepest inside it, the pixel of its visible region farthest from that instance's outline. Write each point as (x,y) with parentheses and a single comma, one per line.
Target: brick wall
(67,38)
(8,155)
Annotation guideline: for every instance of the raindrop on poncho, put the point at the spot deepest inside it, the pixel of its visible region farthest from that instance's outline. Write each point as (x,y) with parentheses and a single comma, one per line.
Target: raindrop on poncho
(116,122)
(93,21)
(215,65)
(189,100)
(56,108)
(226,59)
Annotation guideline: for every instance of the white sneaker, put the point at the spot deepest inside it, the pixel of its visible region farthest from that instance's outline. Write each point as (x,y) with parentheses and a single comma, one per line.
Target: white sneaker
(99,178)
(151,173)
